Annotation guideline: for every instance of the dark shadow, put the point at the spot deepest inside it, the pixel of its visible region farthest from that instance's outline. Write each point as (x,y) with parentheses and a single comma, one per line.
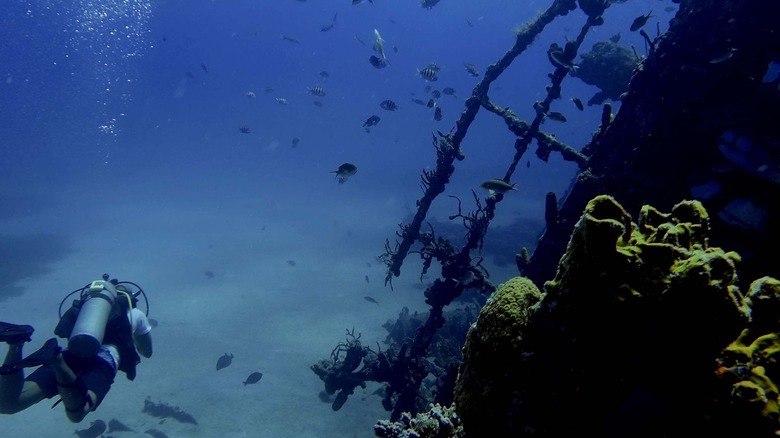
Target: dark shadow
(28,256)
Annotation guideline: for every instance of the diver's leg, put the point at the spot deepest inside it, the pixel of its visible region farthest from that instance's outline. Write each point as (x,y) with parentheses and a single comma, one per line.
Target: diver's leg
(11,384)
(77,399)
(16,394)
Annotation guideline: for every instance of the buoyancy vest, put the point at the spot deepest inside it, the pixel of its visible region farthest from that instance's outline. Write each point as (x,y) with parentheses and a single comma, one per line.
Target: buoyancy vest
(119,332)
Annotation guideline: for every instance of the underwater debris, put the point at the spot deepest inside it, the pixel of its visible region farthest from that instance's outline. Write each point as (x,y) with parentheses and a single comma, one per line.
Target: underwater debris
(115,425)
(163,410)
(95,429)
(156,433)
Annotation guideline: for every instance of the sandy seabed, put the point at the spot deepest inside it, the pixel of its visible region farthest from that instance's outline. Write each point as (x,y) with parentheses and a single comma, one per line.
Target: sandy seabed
(287,283)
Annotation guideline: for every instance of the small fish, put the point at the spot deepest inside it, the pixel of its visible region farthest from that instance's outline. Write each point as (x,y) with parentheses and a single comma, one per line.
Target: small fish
(472,69)
(295,142)
(436,94)
(367,280)
(429,74)
(379,45)
(291,262)
(224,361)
(95,429)
(244,129)
(115,425)
(253,378)
(345,171)
(723,57)
(559,59)
(209,274)
(640,21)
(449,91)
(290,39)
(419,102)
(497,186)
(371,121)
(324,74)
(329,26)
(431,103)
(377,61)
(357,38)
(154,323)
(317,91)
(555,115)
(371,300)
(437,114)
(281,101)
(615,38)
(670,9)
(250,94)
(317,103)
(388,105)
(203,66)
(578,103)
(268,89)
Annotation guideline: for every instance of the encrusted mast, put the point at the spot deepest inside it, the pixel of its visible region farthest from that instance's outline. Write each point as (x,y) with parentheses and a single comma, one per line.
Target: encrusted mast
(699,118)
(405,369)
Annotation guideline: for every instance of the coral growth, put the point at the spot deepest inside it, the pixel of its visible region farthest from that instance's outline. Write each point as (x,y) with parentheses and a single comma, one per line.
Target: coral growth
(634,319)
(438,422)
(749,368)
(490,371)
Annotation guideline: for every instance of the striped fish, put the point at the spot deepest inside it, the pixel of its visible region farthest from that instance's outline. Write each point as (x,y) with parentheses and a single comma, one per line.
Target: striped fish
(429,74)
(317,91)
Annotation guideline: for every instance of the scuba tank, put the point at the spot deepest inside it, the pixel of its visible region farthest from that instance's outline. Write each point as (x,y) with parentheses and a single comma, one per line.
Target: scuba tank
(90,327)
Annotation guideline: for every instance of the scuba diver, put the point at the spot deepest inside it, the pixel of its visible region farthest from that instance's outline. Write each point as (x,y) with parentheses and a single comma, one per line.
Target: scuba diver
(106,332)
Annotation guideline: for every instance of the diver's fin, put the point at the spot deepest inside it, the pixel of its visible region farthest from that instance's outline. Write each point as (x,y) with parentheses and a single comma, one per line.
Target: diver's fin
(43,356)
(15,334)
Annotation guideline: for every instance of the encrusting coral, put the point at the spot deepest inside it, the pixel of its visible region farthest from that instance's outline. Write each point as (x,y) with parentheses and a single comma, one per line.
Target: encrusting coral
(624,340)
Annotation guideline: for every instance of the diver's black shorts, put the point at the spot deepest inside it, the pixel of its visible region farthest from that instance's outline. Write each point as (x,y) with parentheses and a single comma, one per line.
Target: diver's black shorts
(94,372)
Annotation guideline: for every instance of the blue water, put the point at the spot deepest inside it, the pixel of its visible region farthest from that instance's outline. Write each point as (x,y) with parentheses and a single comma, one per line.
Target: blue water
(121,152)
